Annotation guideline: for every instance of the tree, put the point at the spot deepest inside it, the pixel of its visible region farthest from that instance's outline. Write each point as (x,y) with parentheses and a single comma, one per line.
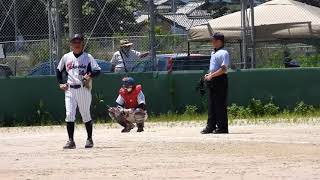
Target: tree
(118,16)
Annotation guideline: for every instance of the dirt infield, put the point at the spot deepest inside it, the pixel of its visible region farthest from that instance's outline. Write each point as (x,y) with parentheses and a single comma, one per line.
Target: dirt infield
(164,151)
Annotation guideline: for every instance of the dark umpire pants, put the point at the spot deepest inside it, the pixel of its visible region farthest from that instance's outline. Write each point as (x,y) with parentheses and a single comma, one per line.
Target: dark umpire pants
(217,103)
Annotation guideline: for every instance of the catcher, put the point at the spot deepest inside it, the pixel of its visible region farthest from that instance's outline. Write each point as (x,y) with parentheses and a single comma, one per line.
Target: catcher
(130,106)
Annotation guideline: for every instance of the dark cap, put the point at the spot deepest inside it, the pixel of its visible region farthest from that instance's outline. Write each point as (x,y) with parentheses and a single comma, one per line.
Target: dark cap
(77,37)
(218,36)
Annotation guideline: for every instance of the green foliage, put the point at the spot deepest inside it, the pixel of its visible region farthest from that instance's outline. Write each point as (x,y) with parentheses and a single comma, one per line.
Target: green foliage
(41,116)
(256,107)
(8,121)
(119,15)
(238,112)
(98,108)
(191,109)
(309,61)
(87,8)
(303,109)
(273,61)
(166,41)
(271,109)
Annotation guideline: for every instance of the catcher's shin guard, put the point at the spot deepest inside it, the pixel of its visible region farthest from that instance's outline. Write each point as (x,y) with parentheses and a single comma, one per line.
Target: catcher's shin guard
(140,116)
(140,127)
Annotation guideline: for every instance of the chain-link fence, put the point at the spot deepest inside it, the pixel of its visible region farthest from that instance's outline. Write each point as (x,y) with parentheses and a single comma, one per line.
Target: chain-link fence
(33,36)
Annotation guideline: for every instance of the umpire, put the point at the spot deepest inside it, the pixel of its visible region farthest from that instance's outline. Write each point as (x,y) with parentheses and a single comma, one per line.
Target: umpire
(217,81)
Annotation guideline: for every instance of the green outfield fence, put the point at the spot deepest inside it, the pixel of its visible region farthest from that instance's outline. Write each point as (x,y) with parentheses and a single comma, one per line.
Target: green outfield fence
(21,96)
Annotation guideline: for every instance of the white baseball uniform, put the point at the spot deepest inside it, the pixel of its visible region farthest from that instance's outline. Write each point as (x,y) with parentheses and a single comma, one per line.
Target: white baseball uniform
(77,94)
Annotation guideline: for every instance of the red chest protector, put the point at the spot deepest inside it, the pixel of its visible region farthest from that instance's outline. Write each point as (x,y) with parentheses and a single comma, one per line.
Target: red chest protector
(130,99)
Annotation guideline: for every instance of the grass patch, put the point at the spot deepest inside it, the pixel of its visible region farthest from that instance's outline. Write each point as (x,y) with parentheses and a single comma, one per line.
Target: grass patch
(279,118)
(255,112)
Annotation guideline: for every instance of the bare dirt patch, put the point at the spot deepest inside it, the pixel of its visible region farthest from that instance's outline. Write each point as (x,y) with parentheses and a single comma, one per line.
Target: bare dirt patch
(163,151)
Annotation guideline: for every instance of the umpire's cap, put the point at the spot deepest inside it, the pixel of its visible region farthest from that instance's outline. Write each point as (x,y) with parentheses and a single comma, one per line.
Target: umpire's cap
(218,36)
(127,82)
(77,37)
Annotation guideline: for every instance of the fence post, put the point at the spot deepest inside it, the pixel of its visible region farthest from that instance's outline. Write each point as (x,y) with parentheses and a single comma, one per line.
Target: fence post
(244,32)
(253,36)
(152,35)
(58,29)
(50,34)
(75,17)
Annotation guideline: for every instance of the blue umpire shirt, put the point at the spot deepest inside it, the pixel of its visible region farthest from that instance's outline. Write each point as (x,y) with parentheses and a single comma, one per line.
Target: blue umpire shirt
(219,58)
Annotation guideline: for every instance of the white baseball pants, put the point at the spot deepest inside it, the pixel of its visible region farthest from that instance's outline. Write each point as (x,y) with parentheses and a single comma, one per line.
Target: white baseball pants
(81,98)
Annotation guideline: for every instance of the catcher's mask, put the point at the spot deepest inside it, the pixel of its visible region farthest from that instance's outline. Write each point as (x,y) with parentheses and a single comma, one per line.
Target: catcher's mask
(128,83)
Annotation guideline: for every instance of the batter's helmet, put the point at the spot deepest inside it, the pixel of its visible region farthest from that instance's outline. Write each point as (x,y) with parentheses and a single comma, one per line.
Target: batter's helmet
(127,82)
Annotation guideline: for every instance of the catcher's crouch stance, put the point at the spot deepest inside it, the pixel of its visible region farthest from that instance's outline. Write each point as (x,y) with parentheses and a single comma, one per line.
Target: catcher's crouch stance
(130,106)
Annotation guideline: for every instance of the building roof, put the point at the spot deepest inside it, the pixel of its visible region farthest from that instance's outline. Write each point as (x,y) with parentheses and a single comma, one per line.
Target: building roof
(159,2)
(199,14)
(184,21)
(142,18)
(190,7)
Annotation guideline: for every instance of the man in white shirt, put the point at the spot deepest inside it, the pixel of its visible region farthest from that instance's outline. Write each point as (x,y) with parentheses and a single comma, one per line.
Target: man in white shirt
(124,59)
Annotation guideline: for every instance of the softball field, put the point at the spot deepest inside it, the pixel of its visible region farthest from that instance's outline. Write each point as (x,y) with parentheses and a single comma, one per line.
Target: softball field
(163,151)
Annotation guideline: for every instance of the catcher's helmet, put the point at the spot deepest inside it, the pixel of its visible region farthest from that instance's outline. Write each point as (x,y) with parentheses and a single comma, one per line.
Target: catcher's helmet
(127,82)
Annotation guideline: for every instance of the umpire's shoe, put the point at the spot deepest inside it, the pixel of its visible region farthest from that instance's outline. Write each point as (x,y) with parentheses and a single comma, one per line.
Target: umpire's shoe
(207,131)
(70,145)
(89,143)
(221,131)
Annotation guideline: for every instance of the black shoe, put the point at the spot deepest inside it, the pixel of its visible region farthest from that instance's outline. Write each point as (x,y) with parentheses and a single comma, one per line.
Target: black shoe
(124,130)
(221,131)
(127,128)
(206,131)
(140,127)
(89,143)
(70,145)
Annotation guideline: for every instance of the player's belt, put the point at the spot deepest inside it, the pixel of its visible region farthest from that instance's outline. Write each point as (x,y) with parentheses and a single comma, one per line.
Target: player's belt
(75,86)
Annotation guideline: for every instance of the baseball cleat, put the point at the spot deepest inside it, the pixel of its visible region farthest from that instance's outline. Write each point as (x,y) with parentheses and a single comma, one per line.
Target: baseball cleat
(140,127)
(89,143)
(70,145)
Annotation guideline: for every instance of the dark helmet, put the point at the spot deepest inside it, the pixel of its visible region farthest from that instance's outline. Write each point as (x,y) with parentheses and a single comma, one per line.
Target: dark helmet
(77,37)
(127,82)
